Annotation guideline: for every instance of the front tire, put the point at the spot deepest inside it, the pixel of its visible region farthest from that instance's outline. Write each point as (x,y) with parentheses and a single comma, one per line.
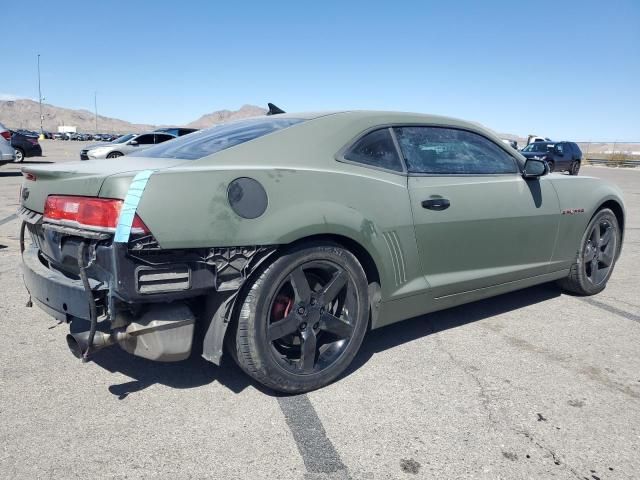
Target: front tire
(19,155)
(597,255)
(552,166)
(303,319)
(114,155)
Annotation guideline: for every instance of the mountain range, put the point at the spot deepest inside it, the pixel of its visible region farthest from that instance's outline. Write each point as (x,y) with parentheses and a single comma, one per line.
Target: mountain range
(25,114)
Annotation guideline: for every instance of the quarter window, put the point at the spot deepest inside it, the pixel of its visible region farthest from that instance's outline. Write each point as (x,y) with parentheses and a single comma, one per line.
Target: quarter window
(437,150)
(377,150)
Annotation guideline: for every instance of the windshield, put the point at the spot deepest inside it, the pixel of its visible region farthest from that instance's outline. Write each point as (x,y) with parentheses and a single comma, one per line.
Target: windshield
(537,147)
(211,140)
(124,138)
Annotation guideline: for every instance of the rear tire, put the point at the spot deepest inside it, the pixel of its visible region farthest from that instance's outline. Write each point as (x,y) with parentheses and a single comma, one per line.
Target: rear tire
(575,168)
(19,155)
(303,319)
(597,255)
(114,155)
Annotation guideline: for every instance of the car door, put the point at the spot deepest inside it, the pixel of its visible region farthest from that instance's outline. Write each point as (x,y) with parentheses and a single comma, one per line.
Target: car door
(478,222)
(141,142)
(562,155)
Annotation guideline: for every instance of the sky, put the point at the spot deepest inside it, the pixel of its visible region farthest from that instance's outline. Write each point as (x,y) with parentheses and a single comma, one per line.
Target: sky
(563,69)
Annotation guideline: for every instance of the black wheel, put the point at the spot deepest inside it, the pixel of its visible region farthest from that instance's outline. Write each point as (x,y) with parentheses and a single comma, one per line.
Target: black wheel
(114,155)
(552,165)
(303,319)
(19,155)
(597,255)
(575,168)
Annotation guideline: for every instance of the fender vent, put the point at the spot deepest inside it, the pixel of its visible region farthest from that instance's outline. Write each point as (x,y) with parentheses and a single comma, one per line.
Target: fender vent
(397,257)
(163,279)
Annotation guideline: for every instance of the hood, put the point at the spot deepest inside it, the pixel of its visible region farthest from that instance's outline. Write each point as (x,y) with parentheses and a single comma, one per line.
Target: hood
(96,145)
(84,178)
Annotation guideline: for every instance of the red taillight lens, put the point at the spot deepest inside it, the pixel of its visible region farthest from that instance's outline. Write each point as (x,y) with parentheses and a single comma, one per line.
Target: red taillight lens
(138,227)
(34,141)
(101,213)
(6,134)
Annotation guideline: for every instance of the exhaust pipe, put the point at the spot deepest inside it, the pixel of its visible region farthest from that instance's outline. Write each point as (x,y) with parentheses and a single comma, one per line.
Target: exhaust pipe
(163,332)
(79,342)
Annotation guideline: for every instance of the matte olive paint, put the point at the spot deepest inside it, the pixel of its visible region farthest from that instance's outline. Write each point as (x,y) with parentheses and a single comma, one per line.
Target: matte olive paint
(501,232)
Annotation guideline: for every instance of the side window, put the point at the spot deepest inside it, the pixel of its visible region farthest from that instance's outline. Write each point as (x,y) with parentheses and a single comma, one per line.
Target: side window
(438,150)
(161,137)
(376,149)
(560,148)
(145,139)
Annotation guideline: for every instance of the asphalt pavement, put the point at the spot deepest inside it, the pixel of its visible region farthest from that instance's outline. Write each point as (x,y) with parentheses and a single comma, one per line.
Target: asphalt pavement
(532,384)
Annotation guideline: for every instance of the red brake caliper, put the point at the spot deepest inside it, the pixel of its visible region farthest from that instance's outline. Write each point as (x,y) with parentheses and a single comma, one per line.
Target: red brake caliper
(281,307)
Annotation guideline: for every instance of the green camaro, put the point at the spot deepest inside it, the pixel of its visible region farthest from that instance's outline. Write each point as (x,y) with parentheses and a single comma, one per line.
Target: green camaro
(286,237)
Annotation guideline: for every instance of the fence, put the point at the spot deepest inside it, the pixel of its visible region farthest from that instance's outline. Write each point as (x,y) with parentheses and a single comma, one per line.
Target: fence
(611,154)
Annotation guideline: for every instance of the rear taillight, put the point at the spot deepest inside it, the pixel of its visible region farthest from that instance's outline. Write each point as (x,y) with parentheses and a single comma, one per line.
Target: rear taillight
(91,212)
(34,141)
(6,134)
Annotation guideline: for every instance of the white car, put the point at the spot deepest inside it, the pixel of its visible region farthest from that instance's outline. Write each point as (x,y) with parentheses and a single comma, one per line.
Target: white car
(7,152)
(123,145)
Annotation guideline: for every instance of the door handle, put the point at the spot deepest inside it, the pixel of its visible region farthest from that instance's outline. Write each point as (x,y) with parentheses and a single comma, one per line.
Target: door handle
(436,204)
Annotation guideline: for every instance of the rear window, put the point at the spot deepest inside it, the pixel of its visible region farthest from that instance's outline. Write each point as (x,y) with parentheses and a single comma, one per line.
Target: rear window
(211,140)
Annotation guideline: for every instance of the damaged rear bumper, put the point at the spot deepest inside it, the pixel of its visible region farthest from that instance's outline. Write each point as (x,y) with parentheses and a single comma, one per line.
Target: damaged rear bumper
(145,300)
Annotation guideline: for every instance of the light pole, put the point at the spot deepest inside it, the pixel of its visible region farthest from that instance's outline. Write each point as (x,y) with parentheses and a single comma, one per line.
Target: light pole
(95,106)
(40,98)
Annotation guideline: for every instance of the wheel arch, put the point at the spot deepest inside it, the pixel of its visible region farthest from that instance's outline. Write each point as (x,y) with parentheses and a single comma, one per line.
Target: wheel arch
(359,251)
(618,211)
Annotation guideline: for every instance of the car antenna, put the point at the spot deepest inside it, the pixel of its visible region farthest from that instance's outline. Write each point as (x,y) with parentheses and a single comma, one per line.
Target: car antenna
(273,110)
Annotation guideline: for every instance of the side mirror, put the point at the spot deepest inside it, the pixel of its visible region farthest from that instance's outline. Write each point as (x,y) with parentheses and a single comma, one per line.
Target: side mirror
(133,143)
(535,168)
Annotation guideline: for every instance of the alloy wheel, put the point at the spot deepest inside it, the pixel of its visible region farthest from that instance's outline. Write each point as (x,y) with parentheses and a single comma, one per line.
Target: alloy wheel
(312,317)
(599,252)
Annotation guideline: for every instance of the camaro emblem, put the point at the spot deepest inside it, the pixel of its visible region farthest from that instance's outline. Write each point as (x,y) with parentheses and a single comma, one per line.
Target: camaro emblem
(572,211)
(25,194)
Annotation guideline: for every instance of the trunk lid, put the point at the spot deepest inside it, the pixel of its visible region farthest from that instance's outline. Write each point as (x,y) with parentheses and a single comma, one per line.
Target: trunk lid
(82,178)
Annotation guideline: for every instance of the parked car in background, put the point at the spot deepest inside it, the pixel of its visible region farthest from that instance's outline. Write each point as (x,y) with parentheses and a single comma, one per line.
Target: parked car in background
(123,145)
(560,156)
(58,136)
(25,146)
(7,152)
(176,131)
(294,234)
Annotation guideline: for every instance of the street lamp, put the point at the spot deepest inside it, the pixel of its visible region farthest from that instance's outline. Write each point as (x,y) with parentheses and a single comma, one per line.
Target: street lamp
(40,100)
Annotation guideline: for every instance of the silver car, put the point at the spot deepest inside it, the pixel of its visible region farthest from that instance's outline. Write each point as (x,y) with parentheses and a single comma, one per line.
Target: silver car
(123,145)
(7,152)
